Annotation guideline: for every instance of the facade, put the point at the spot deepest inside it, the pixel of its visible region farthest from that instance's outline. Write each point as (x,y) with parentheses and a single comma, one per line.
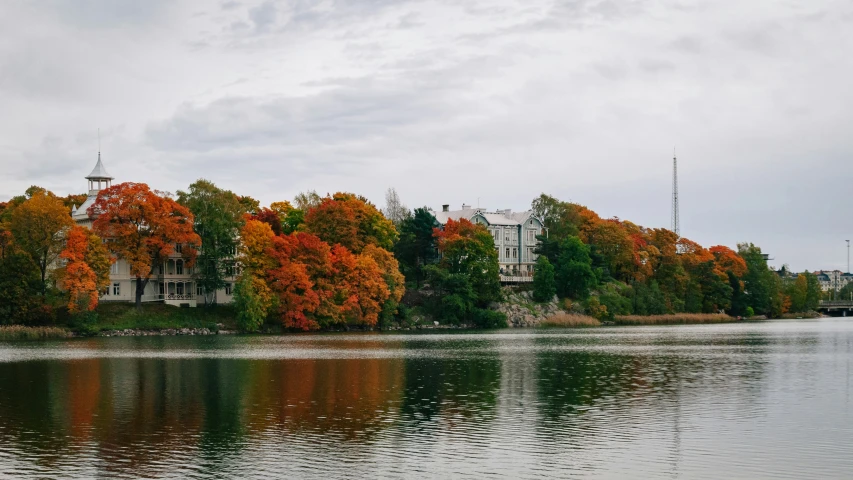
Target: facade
(514,234)
(833,280)
(171,283)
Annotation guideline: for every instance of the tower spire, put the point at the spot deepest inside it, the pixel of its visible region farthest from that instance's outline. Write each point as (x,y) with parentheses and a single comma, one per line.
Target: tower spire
(675,220)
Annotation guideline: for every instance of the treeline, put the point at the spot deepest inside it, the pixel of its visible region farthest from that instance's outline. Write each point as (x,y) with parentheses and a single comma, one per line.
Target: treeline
(614,267)
(338,261)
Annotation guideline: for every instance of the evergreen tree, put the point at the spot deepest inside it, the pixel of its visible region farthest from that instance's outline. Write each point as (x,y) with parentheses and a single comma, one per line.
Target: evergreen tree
(544,286)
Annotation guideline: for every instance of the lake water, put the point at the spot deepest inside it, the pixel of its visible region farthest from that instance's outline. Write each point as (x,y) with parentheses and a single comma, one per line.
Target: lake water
(749,400)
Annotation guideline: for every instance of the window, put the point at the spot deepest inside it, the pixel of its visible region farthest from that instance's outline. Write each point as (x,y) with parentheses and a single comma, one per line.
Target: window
(531,236)
(530,255)
(229,270)
(116,289)
(162,288)
(114,268)
(199,291)
(179,267)
(506,234)
(227,289)
(507,253)
(514,253)
(178,248)
(514,236)
(497,234)
(180,290)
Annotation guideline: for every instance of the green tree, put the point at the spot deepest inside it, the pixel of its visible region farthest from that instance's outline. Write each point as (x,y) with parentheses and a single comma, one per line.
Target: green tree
(253,301)
(759,280)
(544,284)
(572,265)
(813,291)
(469,249)
(415,248)
(218,216)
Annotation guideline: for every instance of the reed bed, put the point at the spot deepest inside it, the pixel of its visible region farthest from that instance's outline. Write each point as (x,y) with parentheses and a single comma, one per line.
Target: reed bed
(569,320)
(673,319)
(21,332)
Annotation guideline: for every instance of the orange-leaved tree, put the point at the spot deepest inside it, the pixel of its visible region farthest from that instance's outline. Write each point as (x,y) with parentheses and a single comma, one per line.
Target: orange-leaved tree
(351,221)
(39,226)
(86,270)
(142,227)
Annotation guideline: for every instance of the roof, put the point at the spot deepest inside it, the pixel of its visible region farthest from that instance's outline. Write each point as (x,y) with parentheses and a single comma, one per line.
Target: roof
(501,217)
(81,211)
(99,171)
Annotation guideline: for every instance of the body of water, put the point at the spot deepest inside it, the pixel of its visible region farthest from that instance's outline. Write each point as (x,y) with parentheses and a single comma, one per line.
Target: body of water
(748,400)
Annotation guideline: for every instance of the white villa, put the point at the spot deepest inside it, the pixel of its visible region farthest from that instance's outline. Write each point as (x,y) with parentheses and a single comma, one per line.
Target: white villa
(833,280)
(514,234)
(171,283)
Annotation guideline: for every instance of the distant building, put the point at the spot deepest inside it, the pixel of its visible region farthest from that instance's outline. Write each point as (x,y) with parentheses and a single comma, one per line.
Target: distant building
(833,280)
(171,283)
(514,234)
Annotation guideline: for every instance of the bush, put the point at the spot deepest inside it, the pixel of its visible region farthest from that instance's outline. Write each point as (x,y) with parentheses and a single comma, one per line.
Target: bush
(488,318)
(597,310)
(750,312)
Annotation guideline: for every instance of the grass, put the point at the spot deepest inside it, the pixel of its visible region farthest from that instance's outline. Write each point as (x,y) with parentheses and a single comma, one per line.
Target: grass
(673,319)
(154,316)
(21,332)
(563,319)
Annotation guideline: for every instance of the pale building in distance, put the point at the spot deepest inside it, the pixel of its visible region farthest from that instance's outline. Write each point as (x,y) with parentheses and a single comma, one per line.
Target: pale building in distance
(514,234)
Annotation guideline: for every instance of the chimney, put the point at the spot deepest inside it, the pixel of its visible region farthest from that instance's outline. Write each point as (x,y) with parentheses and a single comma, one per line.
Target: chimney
(445,208)
(466,207)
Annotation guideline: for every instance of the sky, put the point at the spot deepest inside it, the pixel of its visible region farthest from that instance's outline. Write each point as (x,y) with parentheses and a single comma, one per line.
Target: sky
(488,103)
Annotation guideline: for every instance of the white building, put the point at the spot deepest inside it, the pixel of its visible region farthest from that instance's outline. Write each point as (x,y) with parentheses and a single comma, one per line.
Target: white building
(833,280)
(171,283)
(514,234)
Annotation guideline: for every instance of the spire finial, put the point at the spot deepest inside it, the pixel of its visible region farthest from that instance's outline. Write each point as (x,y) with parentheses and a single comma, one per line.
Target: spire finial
(99,143)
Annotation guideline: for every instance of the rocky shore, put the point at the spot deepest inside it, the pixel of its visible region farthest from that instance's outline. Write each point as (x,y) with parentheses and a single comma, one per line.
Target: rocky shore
(133,332)
(522,311)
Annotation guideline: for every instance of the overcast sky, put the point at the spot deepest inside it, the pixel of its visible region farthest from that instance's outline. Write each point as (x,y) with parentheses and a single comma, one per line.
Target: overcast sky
(452,101)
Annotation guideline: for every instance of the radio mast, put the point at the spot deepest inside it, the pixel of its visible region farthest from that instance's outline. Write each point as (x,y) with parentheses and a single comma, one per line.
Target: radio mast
(675,226)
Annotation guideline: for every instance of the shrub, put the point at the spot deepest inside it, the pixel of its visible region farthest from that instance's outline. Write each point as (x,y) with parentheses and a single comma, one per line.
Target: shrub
(750,312)
(488,318)
(596,309)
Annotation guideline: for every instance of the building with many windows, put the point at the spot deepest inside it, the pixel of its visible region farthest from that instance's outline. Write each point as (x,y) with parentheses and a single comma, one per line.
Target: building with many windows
(833,280)
(514,234)
(172,283)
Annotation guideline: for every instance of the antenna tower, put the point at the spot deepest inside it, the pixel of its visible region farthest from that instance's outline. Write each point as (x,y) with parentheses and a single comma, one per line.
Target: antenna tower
(675,227)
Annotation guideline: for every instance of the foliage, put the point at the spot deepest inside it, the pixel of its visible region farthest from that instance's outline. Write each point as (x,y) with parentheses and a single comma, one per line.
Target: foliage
(749,312)
(595,309)
(253,301)
(468,249)
(351,221)
(416,248)
(483,318)
(573,272)
(217,218)
(38,226)
(544,284)
(79,280)
(143,227)
(20,332)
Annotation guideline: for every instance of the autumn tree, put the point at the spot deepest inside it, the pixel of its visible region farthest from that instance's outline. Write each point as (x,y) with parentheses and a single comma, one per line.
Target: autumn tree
(289,216)
(78,279)
(38,226)
(217,218)
(350,221)
(253,298)
(394,280)
(143,227)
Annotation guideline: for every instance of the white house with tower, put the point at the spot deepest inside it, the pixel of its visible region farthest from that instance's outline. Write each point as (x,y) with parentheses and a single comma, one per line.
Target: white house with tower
(171,283)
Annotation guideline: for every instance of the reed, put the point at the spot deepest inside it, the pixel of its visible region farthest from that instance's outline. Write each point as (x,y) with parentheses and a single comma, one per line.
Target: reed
(673,319)
(21,332)
(563,319)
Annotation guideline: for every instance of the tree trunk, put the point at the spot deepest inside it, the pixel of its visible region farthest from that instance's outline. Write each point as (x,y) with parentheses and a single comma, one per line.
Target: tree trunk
(140,289)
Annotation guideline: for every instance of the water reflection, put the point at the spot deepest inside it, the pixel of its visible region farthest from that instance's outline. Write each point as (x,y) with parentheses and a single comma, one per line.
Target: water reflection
(652,402)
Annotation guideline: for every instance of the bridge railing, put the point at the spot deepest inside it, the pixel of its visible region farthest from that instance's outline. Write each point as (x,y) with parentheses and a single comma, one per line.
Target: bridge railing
(836,303)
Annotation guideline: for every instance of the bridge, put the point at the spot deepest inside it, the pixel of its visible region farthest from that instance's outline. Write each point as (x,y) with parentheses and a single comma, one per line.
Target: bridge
(836,308)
